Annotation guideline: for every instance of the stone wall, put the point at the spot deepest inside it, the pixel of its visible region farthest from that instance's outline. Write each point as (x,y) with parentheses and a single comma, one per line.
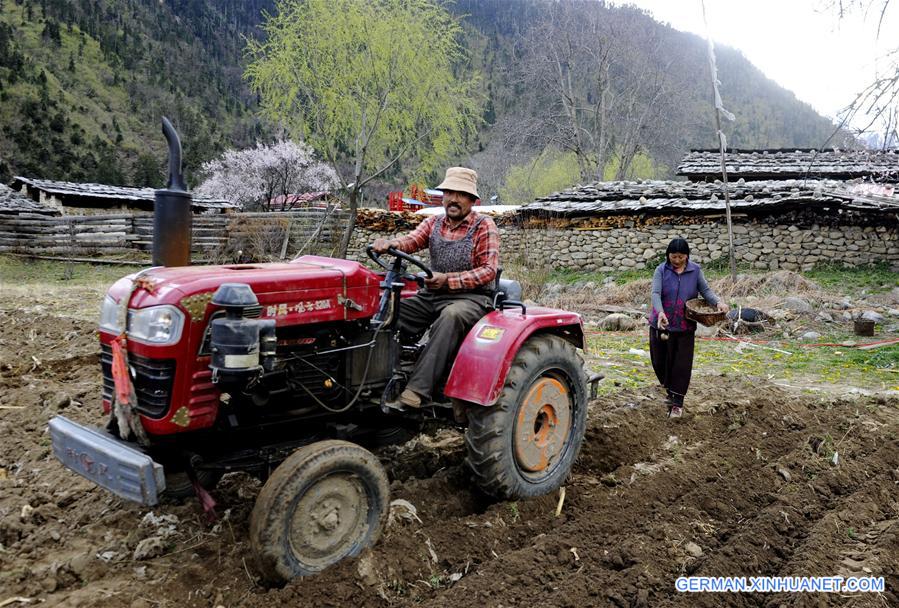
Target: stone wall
(761,246)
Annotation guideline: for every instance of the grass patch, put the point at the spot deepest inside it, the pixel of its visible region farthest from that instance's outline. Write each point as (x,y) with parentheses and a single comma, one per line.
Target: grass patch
(24,271)
(567,276)
(873,279)
(826,365)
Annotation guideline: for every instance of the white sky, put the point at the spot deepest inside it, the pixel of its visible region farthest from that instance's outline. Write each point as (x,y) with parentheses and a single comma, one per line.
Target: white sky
(800,44)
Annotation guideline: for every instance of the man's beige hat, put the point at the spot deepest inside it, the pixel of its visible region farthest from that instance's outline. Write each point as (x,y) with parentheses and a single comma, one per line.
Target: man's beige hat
(462,180)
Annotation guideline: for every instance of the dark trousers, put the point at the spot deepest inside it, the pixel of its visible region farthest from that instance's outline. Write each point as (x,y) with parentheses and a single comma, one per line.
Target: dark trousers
(672,361)
(450,317)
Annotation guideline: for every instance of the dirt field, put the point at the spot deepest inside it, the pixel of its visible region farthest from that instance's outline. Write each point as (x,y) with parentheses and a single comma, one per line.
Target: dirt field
(756,479)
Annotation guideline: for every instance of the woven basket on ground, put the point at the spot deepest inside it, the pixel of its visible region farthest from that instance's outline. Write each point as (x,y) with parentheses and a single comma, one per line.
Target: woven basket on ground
(702,312)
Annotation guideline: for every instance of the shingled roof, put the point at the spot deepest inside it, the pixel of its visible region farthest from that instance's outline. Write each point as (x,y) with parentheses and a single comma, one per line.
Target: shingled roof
(705,165)
(12,202)
(673,197)
(88,194)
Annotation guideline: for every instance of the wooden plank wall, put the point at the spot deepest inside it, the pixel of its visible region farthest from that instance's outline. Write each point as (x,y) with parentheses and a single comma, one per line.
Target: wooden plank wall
(126,233)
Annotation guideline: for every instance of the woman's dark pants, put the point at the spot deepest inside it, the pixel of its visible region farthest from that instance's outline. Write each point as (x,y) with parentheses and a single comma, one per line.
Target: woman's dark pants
(672,361)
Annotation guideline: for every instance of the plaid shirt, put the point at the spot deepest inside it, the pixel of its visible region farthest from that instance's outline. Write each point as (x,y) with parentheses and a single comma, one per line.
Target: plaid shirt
(484,253)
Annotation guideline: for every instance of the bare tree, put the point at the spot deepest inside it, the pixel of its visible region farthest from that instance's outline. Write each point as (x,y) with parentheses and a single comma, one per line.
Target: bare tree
(596,84)
(877,105)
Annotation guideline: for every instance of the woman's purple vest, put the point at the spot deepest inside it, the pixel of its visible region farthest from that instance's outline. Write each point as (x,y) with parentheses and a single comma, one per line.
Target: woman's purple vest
(676,290)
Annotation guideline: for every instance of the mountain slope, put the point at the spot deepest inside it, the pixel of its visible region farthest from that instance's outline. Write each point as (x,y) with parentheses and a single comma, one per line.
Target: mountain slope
(767,116)
(84,82)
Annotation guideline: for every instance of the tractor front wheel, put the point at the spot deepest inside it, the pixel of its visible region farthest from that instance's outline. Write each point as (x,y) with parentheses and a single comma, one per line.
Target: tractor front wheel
(526,444)
(327,501)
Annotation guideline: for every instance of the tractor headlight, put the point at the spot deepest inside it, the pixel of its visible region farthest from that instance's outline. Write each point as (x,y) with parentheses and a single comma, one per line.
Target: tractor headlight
(109,316)
(155,325)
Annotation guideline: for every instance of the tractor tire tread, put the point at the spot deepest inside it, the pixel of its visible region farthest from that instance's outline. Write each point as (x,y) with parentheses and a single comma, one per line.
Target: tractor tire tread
(488,439)
(266,529)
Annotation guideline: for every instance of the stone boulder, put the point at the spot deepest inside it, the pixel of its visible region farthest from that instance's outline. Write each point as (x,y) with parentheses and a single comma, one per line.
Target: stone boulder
(799,305)
(871,315)
(618,322)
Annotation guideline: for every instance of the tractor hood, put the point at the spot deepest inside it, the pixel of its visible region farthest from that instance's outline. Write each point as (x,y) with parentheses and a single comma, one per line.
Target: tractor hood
(283,289)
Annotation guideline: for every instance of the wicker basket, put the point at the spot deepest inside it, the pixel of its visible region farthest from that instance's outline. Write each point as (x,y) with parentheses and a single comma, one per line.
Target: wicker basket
(702,312)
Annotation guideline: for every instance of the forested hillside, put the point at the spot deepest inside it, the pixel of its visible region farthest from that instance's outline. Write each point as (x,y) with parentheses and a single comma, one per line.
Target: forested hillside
(641,93)
(84,82)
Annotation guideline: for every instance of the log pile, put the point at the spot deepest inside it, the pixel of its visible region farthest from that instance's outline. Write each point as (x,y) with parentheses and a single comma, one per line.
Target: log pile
(208,232)
(74,234)
(387,222)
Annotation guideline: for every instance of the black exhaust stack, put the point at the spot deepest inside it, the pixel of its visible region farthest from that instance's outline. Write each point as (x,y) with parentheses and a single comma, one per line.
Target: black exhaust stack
(172,219)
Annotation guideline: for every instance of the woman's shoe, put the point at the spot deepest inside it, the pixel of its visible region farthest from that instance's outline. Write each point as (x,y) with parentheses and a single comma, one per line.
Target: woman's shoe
(675,411)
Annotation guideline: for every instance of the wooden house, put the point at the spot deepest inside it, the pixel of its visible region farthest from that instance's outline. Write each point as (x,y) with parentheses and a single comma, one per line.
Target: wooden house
(89,199)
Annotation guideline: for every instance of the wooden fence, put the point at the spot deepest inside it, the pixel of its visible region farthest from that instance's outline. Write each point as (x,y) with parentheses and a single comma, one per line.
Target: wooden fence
(247,236)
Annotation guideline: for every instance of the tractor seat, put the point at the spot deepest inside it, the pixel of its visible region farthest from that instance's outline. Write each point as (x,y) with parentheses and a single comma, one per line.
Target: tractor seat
(507,290)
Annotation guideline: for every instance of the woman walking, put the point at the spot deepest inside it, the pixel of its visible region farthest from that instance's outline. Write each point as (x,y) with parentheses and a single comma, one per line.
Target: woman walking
(671,334)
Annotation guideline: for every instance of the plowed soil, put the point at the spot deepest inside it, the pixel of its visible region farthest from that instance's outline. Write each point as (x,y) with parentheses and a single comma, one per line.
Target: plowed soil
(752,481)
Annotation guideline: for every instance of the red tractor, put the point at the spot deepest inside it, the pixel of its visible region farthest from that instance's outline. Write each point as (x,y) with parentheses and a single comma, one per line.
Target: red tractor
(283,369)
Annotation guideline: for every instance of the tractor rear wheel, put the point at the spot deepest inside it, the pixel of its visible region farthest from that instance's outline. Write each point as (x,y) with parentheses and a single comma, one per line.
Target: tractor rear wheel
(327,501)
(526,444)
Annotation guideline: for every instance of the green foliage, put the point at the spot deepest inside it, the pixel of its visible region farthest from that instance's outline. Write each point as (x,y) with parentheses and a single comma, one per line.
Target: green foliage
(147,172)
(83,84)
(549,172)
(641,167)
(366,82)
(70,71)
(566,276)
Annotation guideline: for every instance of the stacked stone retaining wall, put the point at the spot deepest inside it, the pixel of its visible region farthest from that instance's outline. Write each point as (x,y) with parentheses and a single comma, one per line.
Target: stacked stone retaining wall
(763,246)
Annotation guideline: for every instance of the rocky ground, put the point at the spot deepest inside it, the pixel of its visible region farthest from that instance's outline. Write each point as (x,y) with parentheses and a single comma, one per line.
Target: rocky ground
(756,479)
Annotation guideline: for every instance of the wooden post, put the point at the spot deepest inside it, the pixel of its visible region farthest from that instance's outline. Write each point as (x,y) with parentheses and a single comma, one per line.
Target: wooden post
(730,226)
(286,238)
(716,99)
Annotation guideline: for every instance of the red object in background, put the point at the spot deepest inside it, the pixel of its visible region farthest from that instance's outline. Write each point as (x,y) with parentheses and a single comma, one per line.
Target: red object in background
(395,201)
(418,198)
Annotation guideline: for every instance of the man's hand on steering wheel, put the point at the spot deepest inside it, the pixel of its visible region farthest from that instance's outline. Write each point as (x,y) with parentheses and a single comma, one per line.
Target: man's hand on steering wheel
(437,281)
(382,245)
(399,264)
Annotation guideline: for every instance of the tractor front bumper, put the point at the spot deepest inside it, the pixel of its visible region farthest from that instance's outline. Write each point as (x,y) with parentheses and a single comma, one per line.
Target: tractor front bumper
(107,461)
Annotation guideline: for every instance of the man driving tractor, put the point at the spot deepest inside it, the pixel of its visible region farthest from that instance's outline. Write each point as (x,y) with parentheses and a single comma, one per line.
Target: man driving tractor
(264,369)
(464,250)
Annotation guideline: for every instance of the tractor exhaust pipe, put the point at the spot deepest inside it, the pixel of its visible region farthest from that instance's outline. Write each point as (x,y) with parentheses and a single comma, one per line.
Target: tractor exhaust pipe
(172,219)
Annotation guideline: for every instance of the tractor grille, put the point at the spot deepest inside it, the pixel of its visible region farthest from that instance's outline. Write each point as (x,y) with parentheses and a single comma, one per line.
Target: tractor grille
(153,380)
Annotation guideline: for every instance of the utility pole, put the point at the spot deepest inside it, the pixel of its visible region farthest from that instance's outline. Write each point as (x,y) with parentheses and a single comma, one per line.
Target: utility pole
(722,144)
(730,227)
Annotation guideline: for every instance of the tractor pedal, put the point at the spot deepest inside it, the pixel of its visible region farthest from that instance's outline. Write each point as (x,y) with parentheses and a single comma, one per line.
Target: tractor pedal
(392,407)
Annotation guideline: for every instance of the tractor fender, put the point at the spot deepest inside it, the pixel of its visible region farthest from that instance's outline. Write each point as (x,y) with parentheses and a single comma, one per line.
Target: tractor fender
(483,361)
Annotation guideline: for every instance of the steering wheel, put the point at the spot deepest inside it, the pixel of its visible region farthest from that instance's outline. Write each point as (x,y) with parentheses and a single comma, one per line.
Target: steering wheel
(397,265)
